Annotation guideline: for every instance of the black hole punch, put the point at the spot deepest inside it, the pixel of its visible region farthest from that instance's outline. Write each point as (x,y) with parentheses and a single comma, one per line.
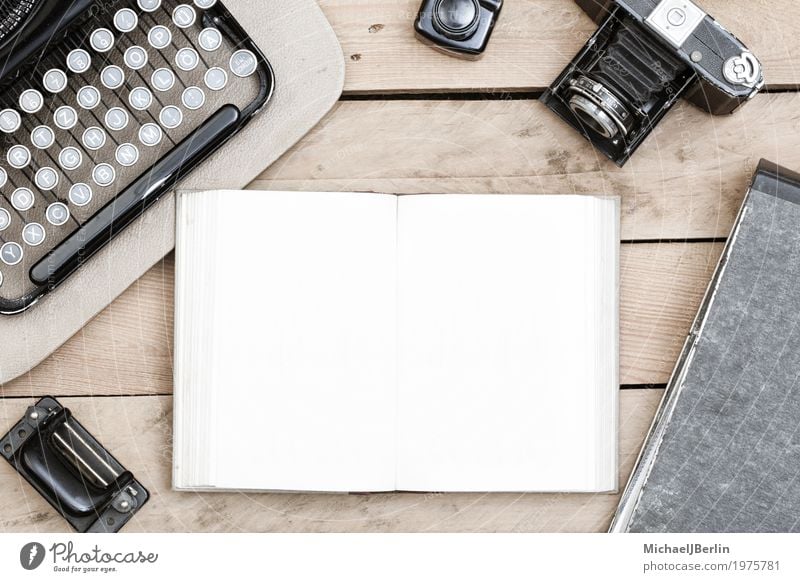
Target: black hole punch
(71,469)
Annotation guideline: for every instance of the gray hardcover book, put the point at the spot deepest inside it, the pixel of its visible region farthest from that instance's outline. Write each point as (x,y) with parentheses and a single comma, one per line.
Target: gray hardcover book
(723,454)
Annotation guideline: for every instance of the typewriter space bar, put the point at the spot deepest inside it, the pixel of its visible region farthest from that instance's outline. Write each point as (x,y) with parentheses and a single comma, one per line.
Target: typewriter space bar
(120,212)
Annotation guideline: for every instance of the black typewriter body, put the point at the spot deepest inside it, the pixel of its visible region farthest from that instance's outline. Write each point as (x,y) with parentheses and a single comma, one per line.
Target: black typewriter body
(104,107)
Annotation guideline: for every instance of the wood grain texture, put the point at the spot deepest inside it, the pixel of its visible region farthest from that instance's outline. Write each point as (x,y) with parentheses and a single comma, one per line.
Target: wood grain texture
(127,349)
(533,42)
(687,181)
(138,432)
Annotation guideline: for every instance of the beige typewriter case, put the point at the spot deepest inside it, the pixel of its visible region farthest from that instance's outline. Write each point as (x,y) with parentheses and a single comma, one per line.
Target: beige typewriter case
(309,76)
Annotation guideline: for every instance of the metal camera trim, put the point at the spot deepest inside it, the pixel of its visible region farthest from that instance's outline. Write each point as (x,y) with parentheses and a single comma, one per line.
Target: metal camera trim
(594,99)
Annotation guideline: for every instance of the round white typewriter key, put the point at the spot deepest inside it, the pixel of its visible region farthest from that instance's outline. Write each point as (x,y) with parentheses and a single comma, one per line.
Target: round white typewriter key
(5,219)
(55,80)
(149,5)
(150,134)
(135,57)
(22,199)
(18,156)
(94,138)
(184,16)
(3,177)
(11,254)
(46,179)
(70,158)
(79,61)
(127,155)
(112,77)
(102,40)
(1,279)
(80,194)
(117,119)
(43,137)
(140,98)
(159,37)
(65,117)
(210,39)
(57,214)
(125,20)
(171,117)
(204,4)
(243,63)
(104,175)
(33,234)
(10,121)
(187,59)
(31,101)
(216,79)
(88,97)
(193,98)
(163,79)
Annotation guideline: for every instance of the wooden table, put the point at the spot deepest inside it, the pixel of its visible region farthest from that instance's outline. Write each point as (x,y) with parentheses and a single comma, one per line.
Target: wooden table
(412,121)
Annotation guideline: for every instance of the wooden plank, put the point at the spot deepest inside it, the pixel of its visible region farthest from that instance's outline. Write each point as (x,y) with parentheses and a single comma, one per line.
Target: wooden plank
(534,40)
(127,349)
(686,181)
(138,433)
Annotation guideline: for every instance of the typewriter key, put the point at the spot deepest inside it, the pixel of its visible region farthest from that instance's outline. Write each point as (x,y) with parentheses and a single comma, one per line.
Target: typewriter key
(11,254)
(150,134)
(22,199)
(10,121)
(31,101)
(149,5)
(70,158)
(5,219)
(112,77)
(19,157)
(141,98)
(46,179)
(210,39)
(102,40)
(80,194)
(117,119)
(33,234)
(184,16)
(55,80)
(79,61)
(57,214)
(125,20)
(159,37)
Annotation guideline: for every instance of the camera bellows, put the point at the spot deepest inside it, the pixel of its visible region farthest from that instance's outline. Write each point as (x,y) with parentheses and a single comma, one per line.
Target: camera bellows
(634,66)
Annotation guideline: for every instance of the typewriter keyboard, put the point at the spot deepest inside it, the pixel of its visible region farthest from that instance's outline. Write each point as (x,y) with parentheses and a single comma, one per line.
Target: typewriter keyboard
(101,113)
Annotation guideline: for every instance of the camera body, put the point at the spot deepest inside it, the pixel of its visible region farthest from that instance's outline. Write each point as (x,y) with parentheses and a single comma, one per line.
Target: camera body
(460,28)
(646,55)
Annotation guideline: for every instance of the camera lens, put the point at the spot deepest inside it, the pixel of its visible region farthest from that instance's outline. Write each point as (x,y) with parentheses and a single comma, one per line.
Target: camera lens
(457,19)
(599,108)
(592,116)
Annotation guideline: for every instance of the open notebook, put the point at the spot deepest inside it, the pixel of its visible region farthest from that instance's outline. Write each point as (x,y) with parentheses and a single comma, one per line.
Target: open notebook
(370,342)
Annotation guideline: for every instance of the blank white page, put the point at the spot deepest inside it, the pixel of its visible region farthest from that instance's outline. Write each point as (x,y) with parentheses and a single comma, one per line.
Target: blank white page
(507,377)
(304,365)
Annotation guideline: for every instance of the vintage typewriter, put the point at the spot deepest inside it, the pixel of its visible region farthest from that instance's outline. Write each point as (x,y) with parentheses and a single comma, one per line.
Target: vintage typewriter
(104,107)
